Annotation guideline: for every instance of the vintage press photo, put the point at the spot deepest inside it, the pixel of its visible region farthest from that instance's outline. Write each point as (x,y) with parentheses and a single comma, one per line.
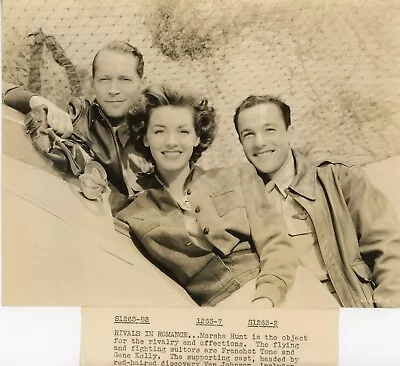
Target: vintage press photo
(332,176)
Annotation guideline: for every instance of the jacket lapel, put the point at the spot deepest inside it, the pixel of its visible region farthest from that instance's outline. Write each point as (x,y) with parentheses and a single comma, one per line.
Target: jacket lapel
(319,205)
(304,182)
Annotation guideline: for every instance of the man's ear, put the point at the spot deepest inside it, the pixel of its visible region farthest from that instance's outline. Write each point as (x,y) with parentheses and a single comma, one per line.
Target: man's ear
(145,142)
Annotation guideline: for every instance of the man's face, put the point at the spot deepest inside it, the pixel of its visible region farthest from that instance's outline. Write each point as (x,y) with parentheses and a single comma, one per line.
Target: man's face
(264,137)
(116,82)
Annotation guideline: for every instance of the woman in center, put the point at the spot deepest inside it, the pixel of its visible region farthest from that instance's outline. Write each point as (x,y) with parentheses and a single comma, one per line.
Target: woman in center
(212,231)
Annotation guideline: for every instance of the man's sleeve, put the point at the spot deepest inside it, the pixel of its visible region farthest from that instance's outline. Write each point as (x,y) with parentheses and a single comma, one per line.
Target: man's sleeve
(378,230)
(278,259)
(17,97)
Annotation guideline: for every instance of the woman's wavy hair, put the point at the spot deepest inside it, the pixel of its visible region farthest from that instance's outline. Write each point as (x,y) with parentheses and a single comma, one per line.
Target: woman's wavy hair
(204,118)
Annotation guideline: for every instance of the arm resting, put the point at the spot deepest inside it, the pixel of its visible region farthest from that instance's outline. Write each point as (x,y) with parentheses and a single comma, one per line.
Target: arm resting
(17,97)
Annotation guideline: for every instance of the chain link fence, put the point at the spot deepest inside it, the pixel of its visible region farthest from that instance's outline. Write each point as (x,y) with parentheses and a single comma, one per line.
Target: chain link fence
(335,62)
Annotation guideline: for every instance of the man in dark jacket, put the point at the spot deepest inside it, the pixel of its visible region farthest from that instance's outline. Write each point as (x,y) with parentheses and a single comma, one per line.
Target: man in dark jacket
(101,125)
(343,228)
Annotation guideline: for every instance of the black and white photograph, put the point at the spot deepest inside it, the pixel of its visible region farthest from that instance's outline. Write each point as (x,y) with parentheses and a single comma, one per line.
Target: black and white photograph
(182,153)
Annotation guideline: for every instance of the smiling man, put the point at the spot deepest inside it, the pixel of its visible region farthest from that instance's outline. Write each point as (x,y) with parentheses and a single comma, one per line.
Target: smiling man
(344,230)
(117,72)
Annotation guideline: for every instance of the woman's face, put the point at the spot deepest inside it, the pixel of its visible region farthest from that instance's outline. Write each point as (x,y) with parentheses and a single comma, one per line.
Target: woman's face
(171,138)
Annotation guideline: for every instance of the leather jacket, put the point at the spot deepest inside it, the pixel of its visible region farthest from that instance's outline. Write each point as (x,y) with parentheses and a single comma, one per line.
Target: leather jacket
(108,144)
(93,130)
(357,230)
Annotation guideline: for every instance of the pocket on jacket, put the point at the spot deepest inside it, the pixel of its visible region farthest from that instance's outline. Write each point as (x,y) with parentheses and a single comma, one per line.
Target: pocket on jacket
(227,201)
(364,274)
(299,224)
(142,224)
(362,271)
(296,228)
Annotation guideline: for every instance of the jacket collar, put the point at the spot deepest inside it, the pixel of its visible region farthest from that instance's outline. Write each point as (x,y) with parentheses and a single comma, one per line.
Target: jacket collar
(160,194)
(195,171)
(97,114)
(304,181)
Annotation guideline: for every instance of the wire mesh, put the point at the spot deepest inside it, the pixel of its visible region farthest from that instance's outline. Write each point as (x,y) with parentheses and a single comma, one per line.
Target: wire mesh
(335,62)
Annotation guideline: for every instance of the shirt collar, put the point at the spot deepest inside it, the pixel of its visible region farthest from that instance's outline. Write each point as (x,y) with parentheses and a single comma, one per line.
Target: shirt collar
(158,190)
(194,171)
(283,178)
(297,174)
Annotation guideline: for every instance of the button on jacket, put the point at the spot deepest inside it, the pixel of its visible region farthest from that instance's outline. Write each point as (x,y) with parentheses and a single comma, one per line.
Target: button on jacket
(357,230)
(246,234)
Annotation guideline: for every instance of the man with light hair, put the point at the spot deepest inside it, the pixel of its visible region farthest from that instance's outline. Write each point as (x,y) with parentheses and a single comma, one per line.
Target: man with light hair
(100,125)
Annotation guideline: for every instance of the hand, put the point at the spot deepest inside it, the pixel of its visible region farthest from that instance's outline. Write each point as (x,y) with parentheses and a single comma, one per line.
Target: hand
(57,119)
(262,303)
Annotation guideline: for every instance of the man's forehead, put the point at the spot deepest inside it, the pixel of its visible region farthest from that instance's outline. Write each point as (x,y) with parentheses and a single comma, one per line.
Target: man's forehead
(117,58)
(261,113)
